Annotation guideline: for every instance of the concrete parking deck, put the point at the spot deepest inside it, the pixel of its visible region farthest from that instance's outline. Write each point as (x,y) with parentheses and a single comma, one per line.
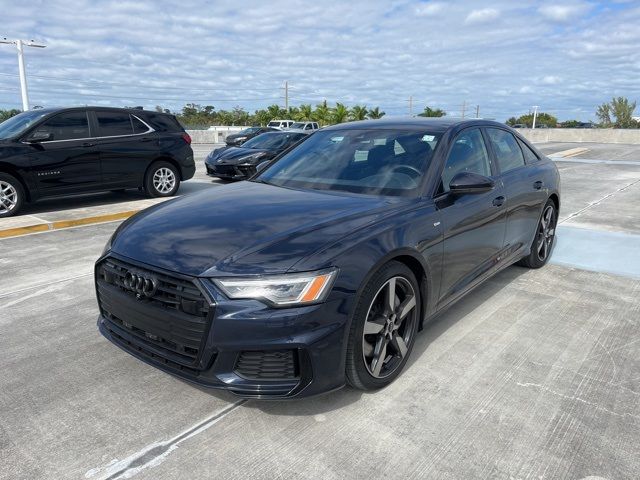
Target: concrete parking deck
(535,374)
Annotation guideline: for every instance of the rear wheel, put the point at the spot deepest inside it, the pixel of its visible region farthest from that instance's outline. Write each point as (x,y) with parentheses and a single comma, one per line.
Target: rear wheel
(384,328)
(11,195)
(544,238)
(161,180)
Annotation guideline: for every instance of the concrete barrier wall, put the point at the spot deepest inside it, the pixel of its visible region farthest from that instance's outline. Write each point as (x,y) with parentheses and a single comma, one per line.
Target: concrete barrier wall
(593,135)
(539,135)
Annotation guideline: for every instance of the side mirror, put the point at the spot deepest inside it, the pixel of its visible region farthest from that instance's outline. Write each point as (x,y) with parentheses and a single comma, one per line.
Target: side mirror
(467,182)
(39,136)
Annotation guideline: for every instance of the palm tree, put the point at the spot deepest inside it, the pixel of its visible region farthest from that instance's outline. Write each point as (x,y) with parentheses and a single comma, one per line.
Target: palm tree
(432,112)
(305,112)
(358,112)
(340,113)
(275,111)
(375,113)
(321,114)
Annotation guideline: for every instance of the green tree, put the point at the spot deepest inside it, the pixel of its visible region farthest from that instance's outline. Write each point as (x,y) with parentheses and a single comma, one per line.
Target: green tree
(276,112)
(375,113)
(6,114)
(603,112)
(432,112)
(622,109)
(340,113)
(306,112)
(322,113)
(511,121)
(359,112)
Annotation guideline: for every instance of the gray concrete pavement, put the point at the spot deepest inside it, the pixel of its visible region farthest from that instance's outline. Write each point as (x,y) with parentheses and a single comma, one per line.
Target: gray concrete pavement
(596,151)
(535,374)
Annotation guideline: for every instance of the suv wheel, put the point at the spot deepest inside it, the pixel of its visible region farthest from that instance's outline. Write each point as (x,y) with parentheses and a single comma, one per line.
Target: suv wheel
(11,195)
(161,180)
(383,328)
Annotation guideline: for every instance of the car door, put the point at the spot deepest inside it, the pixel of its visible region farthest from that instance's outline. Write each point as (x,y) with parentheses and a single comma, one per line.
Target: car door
(524,187)
(473,224)
(68,162)
(127,146)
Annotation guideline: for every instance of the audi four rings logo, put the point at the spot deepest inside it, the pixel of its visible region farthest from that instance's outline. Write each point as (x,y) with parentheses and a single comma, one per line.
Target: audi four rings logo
(141,285)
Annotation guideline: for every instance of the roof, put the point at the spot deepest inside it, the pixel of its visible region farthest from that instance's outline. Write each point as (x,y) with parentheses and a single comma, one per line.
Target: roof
(95,107)
(439,124)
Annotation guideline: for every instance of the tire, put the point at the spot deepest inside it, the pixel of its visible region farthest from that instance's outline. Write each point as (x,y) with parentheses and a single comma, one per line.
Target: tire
(156,178)
(544,238)
(397,333)
(12,195)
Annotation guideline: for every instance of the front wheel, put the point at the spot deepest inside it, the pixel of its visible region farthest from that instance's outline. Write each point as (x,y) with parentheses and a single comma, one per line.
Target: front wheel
(11,195)
(383,328)
(544,238)
(161,180)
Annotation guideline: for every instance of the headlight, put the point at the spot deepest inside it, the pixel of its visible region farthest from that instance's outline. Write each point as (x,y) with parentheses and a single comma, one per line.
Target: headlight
(281,290)
(240,139)
(253,158)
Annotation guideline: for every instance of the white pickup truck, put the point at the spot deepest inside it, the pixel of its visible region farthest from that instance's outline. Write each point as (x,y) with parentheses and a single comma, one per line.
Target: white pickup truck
(306,127)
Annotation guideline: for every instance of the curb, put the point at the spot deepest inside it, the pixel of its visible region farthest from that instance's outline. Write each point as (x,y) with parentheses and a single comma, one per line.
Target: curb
(62,224)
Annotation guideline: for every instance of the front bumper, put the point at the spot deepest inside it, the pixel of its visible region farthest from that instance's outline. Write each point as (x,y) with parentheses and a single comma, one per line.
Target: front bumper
(244,347)
(231,172)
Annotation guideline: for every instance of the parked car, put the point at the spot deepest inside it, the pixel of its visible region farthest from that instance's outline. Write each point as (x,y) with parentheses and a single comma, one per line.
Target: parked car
(519,125)
(280,124)
(246,134)
(51,152)
(304,127)
(239,163)
(321,270)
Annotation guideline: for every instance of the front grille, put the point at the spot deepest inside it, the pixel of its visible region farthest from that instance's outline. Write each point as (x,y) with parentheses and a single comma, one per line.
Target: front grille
(228,170)
(268,365)
(173,320)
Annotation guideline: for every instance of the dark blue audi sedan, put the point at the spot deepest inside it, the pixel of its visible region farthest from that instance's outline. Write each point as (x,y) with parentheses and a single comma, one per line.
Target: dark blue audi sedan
(321,270)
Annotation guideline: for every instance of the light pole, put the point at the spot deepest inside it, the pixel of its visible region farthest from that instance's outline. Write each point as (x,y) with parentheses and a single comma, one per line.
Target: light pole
(20,44)
(535,115)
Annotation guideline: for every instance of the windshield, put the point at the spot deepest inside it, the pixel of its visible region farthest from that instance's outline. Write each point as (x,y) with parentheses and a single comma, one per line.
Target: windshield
(248,131)
(268,141)
(374,162)
(299,125)
(14,126)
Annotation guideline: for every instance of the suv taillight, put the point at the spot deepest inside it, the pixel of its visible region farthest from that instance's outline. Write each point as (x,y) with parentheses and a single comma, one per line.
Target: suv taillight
(186,138)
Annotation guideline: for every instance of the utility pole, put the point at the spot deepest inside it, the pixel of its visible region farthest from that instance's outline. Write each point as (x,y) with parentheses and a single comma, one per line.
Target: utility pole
(535,115)
(464,107)
(477,111)
(20,44)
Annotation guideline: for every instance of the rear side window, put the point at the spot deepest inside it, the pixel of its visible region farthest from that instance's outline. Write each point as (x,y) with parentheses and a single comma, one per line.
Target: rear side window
(506,149)
(111,124)
(67,126)
(138,126)
(162,122)
(529,155)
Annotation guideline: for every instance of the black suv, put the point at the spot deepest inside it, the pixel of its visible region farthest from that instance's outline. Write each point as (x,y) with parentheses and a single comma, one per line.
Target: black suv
(51,152)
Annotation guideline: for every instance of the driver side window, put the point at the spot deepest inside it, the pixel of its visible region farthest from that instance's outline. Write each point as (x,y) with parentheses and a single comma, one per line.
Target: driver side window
(468,154)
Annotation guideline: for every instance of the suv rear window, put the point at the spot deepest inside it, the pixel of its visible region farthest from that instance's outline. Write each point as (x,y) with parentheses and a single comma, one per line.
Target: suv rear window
(111,124)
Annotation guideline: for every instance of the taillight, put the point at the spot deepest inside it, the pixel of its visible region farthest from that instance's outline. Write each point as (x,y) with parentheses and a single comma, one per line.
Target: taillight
(186,138)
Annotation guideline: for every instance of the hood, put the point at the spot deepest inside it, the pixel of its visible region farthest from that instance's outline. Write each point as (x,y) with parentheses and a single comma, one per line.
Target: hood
(243,228)
(233,155)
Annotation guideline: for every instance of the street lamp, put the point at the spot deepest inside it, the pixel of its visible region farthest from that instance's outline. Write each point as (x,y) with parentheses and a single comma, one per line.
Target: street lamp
(20,44)
(535,115)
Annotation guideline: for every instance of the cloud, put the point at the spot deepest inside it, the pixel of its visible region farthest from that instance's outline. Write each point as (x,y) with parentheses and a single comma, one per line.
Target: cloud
(563,13)
(482,16)
(374,53)
(429,9)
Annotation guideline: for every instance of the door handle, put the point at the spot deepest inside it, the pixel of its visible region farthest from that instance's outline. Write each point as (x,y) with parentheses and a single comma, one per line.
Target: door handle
(537,185)
(498,201)
(88,144)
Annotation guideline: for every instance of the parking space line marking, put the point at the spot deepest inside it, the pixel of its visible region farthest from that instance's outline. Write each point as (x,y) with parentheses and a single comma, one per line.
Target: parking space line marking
(156,453)
(41,285)
(62,224)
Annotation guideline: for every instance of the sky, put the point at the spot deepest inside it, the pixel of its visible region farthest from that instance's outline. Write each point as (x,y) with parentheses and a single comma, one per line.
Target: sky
(566,57)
